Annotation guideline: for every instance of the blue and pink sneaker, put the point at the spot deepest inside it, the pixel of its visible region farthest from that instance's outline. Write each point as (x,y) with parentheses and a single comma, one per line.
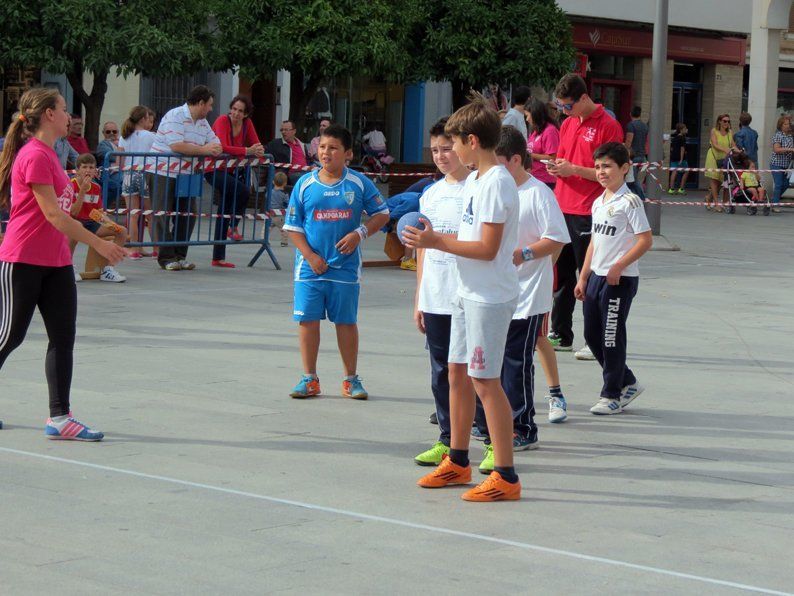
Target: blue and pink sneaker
(71,430)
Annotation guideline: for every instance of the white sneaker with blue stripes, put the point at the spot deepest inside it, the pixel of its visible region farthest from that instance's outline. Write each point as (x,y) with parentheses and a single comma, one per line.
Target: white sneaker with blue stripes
(630,393)
(606,406)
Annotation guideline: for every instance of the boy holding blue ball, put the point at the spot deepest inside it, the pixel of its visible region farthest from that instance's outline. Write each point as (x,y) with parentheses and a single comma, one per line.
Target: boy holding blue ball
(436,282)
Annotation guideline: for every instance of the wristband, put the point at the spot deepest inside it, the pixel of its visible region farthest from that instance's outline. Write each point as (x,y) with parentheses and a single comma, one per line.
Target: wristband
(527,254)
(363,232)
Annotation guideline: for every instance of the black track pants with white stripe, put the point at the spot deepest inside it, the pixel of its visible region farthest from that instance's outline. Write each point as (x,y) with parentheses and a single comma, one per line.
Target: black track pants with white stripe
(606,309)
(23,288)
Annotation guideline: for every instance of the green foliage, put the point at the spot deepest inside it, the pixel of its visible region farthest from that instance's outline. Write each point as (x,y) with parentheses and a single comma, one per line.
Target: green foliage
(318,38)
(163,38)
(501,41)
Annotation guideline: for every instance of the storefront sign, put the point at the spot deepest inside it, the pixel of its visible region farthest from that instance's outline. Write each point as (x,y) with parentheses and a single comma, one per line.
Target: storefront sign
(630,42)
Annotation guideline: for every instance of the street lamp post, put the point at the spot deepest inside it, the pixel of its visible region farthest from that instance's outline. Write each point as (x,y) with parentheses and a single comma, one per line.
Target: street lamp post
(654,210)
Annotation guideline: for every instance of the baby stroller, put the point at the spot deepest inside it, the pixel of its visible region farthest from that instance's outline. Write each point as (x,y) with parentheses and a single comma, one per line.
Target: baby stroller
(736,166)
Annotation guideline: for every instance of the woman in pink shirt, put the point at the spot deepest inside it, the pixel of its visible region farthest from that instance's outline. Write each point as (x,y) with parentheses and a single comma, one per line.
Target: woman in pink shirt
(35,261)
(238,138)
(543,140)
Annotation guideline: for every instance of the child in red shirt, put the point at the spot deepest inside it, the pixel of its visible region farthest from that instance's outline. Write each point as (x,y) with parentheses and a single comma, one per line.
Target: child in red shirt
(88,197)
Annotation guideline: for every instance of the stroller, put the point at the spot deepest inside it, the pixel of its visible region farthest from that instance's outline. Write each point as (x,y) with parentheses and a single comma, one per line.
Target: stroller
(736,164)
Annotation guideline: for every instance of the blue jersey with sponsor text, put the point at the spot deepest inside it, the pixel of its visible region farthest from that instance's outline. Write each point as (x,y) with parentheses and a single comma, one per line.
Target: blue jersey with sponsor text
(325,214)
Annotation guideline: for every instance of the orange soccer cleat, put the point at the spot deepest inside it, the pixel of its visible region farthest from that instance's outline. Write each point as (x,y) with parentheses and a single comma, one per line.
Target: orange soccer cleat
(493,488)
(446,474)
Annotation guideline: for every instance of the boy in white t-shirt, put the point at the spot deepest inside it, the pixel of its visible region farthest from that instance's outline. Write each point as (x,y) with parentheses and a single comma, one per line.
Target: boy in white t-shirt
(541,233)
(437,282)
(610,276)
(486,300)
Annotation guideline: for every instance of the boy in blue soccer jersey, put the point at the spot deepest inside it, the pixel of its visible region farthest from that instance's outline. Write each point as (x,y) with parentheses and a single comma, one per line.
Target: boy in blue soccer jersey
(324,223)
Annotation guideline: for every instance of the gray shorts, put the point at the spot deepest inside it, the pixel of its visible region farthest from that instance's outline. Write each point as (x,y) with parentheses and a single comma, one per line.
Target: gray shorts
(478,336)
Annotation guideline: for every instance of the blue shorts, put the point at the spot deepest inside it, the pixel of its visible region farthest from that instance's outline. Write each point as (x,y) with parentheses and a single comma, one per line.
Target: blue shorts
(679,164)
(91,225)
(313,299)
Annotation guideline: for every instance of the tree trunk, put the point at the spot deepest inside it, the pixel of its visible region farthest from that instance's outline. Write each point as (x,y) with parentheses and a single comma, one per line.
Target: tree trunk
(300,94)
(459,92)
(93,103)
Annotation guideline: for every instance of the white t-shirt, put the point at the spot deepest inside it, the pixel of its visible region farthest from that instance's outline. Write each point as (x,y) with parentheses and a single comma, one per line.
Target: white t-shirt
(616,222)
(442,203)
(515,119)
(375,139)
(493,198)
(140,141)
(539,217)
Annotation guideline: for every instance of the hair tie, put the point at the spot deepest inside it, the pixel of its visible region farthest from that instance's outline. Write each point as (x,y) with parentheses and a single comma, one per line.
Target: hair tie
(22,118)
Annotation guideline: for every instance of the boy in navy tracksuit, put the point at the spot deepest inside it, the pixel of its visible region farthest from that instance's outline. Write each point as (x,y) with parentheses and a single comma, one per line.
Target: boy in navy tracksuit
(610,276)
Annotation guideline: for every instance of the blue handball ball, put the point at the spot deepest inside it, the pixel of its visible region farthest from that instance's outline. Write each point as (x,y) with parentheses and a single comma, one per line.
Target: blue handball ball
(410,219)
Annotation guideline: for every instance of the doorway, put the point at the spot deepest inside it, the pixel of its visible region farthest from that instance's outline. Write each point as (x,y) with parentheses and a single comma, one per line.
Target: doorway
(687,108)
(614,95)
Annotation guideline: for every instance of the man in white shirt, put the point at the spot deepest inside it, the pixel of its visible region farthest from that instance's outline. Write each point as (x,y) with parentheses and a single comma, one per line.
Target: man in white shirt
(183,130)
(515,116)
(541,233)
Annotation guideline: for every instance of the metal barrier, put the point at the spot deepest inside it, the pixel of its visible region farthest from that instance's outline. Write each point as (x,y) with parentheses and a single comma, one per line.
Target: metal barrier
(190,201)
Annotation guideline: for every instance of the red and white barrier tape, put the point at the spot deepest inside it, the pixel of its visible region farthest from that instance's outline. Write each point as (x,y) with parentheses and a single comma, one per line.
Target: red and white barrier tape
(176,165)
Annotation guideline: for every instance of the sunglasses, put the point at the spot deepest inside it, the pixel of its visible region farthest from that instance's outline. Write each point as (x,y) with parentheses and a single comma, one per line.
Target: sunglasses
(726,121)
(111,132)
(565,106)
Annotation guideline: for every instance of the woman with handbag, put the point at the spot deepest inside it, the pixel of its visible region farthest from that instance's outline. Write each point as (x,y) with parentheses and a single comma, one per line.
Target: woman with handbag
(238,139)
(721,143)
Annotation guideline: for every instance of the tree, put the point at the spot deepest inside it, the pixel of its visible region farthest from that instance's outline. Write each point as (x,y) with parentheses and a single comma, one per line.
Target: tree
(317,41)
(99,36)
(472,43)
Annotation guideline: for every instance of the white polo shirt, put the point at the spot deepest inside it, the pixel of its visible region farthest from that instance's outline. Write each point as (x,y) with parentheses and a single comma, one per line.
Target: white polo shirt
(616,222)
(178,126)
(539,216)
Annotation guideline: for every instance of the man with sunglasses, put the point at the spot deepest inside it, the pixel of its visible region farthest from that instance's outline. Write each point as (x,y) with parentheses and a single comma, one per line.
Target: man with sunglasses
(587,127)
(109,144)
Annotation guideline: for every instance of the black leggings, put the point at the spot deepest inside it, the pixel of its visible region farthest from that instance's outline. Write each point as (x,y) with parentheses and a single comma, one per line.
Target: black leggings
(52,289)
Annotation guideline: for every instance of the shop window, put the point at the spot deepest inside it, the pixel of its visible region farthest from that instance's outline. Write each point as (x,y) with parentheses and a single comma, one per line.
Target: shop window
(684,72)
(785,100)
(611,67)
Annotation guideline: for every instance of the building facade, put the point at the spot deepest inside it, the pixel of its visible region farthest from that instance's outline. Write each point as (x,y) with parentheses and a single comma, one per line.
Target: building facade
(708,66)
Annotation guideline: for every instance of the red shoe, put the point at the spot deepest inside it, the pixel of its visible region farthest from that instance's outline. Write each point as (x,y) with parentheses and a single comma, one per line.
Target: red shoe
(234,234)
(225,264)
(155,254)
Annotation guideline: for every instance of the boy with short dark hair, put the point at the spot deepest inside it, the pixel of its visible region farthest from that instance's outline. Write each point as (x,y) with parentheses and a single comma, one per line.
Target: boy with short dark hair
(486,300)
(324,222)
(610,276)
(436,280)
(279,199)
(515,116)
(746,138)
(88,197)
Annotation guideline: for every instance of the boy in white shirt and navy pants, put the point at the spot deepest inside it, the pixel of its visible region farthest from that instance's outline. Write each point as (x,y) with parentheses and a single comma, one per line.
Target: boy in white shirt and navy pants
(437,282)
(486,300)
(541,233)
(610,276)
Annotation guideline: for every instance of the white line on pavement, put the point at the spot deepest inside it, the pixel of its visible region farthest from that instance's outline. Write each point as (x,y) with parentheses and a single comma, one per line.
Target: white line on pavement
(401,523)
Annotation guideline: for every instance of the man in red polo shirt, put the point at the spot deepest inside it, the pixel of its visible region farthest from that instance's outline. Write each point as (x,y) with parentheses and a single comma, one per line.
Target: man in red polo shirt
(587,127)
